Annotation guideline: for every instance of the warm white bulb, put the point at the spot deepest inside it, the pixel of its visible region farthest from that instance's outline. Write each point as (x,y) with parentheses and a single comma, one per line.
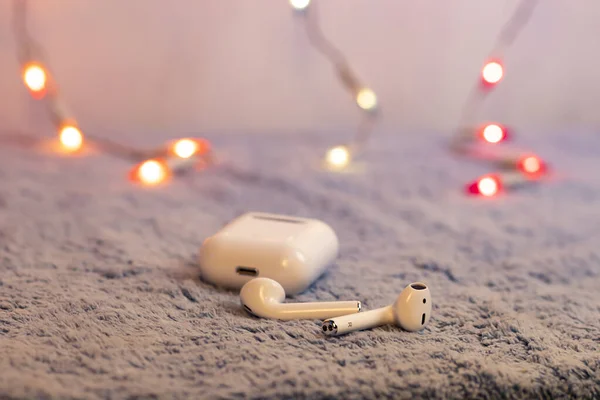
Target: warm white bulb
(299,4)
(71,138)
(366,99)
(35,78)
(338,157)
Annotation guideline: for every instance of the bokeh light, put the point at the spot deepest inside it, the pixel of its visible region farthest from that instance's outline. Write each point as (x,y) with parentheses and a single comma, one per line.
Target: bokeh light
(185,148)
(299,4)
(493,133)
(492,72)
(71,138)
(150,172)
(531,165)
(487,186)
(366,99)
(338,157)
(35,78)
(188,147)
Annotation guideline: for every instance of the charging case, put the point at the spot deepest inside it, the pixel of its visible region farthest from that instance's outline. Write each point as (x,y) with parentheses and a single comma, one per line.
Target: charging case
(292,251)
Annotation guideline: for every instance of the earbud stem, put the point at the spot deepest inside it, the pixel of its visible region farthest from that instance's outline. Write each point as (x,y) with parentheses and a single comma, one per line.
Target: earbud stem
(324,310)
(364,320)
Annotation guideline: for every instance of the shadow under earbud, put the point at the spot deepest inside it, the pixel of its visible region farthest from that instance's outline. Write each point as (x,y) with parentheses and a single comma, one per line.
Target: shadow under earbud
(236,308)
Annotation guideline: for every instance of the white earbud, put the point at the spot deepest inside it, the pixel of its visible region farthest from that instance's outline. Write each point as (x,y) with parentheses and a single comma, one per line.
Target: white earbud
(264,297)
(411,312)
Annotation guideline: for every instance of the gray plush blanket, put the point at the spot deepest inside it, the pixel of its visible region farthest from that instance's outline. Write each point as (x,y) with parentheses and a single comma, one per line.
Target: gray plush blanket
(100,295)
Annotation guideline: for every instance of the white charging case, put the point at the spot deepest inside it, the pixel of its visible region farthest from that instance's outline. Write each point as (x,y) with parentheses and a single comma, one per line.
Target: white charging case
(293,251)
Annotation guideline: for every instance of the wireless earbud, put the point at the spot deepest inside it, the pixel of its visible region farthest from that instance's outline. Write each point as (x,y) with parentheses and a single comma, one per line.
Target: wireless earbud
(264,297)
(411,312)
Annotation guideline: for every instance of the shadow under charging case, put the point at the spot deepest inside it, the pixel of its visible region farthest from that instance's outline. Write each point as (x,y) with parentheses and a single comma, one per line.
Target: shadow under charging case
(292,251)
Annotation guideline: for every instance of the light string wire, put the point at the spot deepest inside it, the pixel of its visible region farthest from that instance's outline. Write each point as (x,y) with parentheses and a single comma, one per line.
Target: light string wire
(30,50)
(154,165)
(509,33)
(515,169)
(364,96)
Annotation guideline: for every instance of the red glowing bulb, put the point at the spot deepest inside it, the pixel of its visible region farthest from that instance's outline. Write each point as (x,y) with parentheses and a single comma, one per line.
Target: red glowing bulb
(531,165)
(486,186)
(493,133)
(492,72)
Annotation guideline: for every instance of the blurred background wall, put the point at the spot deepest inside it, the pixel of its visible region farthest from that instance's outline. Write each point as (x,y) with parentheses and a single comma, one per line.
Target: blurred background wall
(246,66)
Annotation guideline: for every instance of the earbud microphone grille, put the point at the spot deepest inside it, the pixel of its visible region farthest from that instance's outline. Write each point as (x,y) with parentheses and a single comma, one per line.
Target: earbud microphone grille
(330,328)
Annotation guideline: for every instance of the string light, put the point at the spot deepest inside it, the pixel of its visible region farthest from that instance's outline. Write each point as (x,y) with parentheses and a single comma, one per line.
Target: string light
(493,133)
(35,78)
(365,98)
(338,157)
(182,155)
(150,172)
(38,80)
(492,73)
(527,167)
(299,4)
(158,170)
(71,138)
(185,148)
(531,166)
(188,147)
(486,186)
(492,185)
(189,151)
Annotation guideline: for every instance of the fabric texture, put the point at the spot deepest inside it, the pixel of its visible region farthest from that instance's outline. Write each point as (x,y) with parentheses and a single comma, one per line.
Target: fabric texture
(100,295)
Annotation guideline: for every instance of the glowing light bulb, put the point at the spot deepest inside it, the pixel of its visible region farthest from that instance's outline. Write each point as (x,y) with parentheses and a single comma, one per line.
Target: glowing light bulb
(531,165)
(71,138)
(492,72)
(35,79)
(338,157)
(185,148)
(366,99)
(487,186)
(151,172)
(493,133)
(299,4)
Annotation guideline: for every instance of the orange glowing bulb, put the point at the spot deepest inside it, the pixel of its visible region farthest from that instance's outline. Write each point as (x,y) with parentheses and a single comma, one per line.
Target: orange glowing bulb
(185,148)
(152,172)
(188,147)
(71,138)
(35,78)
(492,72)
